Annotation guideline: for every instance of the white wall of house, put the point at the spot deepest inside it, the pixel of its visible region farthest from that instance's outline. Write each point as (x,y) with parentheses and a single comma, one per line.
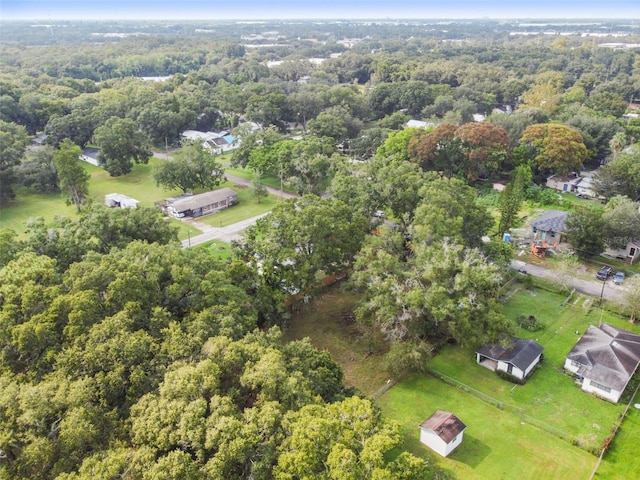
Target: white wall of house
(590,386)
(515,371)
(532,366)
(435,443)
(91,160)
(570,366)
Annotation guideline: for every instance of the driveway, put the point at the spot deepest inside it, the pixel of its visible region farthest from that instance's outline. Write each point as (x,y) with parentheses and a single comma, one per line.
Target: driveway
(595,288)
(225,234)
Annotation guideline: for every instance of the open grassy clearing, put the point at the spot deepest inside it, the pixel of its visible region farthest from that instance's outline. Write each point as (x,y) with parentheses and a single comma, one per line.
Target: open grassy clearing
(326,321)
(496,444)
(217,248)
(622,461)
(509,443)
(139,184)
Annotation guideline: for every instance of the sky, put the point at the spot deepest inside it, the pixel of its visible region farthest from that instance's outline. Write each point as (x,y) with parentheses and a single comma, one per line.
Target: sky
(325,9)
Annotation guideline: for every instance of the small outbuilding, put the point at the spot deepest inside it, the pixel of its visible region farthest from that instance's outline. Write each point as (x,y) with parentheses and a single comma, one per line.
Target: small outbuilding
(117,200)
(517,358)
(442,432)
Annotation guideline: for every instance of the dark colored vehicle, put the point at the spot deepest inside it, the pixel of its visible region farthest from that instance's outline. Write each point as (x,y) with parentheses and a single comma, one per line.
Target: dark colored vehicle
(618,278)
(604,272)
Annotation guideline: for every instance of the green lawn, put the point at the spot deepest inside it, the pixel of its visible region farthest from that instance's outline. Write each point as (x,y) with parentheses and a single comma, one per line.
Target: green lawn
(247,207)
(496,444)
(217,249)
(622,460)
(268,180)
(550,397)
(138,184)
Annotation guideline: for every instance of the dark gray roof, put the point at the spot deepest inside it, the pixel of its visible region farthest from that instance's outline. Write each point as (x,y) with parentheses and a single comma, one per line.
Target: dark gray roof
(446,425)
(202,200)
(551,221)
(521,352)
(608,355)
(91,152)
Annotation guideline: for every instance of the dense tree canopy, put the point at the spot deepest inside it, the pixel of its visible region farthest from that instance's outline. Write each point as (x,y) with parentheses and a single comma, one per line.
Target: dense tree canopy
(194,167)
(13,143)
(303,238)
(121,143)
(557,148)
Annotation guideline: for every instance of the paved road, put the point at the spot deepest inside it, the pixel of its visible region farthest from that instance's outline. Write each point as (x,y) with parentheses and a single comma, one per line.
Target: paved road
(594,287)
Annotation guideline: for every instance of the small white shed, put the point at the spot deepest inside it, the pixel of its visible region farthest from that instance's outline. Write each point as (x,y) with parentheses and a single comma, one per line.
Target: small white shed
(442,432)
(120,201)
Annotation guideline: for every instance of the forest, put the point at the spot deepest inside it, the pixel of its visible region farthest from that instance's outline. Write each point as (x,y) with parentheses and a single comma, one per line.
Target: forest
(123,355)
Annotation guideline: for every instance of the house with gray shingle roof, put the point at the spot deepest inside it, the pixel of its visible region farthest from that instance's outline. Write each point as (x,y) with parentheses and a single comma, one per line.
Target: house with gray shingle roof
(604,359)
(517,358)
(550,226)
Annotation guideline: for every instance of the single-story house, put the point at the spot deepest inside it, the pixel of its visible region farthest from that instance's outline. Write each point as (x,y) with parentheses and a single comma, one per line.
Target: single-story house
(518,358)
(419,124)
(564,183)
(120,201)
(215,142)
(90,155)
(190,205)
(573,183)
(442,432)
(549,226)
(586,186)
(604,359)
(630,253)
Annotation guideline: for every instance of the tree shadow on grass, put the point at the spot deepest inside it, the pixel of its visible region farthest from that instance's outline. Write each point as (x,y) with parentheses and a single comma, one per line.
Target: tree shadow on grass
(471,452)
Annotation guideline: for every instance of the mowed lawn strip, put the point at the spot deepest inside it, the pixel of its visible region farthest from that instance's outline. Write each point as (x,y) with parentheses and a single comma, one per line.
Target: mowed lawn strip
(496,444)
(327,322)
(622,461)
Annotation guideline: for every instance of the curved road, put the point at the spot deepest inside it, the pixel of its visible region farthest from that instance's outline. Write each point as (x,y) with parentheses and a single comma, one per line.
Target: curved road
(595,288)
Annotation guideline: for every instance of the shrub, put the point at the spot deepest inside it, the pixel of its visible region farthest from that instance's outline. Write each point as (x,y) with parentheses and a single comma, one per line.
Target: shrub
(510,378)
(530,323)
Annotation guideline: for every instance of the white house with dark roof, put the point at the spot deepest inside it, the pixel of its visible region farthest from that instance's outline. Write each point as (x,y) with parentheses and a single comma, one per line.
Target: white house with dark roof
(90,155)
(189,205)
(605,358)
(442,432)
(549,226)
(517,358)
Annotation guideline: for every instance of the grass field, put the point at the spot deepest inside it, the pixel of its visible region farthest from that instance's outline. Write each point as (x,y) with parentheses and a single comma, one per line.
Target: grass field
(496,444)
(512,442)
(622,461)
(139,184)
(217,249)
